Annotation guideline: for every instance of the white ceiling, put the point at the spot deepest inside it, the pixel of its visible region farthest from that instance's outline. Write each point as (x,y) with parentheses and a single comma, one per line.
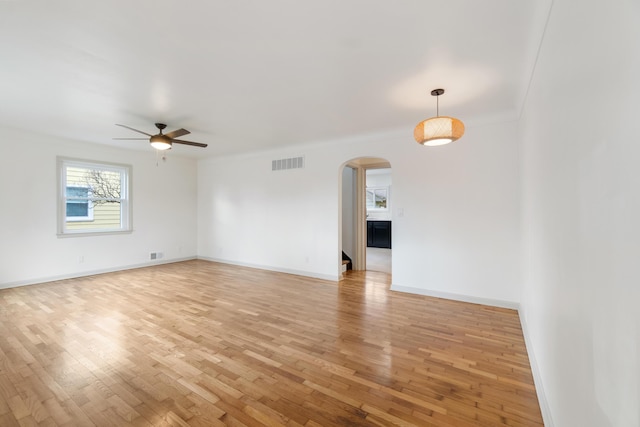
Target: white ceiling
(252,74)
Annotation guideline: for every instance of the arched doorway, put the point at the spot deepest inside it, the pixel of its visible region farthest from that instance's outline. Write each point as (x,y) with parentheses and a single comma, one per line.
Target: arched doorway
(365,214)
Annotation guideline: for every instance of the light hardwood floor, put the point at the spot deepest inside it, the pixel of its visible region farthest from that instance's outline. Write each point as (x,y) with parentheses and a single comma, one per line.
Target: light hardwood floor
(204,344)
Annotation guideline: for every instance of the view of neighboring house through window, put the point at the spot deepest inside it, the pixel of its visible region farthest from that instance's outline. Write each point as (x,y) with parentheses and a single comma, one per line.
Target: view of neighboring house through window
(93,197)
(78,208)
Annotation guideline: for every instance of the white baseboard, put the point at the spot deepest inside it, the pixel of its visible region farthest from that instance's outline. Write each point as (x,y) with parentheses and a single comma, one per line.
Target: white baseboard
(333,278)
(537,377)
(457,297)
(90,273)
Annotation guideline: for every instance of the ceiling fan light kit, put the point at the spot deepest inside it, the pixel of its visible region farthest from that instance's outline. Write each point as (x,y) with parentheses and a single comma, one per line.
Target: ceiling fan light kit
(164,141)
(160,142)
(438,130)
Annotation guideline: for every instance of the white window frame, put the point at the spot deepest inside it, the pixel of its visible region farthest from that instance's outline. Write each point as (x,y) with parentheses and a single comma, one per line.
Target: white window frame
(125,172)
(375,192)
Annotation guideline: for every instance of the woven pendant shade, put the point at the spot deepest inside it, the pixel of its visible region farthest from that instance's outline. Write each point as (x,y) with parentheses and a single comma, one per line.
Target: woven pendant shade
(438,131)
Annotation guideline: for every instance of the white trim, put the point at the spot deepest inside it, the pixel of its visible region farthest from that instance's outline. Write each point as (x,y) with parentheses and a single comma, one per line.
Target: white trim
(537,376)
(90,273)
(457,297)
(104,232)
(126,205)
(330,277)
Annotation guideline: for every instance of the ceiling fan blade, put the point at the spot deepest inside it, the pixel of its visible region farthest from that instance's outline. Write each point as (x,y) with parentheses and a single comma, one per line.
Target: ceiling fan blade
(177,133)
(135,130)
(131,139)
(195,144)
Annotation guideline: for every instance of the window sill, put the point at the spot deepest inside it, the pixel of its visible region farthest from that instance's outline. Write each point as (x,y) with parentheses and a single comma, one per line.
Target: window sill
(93,233)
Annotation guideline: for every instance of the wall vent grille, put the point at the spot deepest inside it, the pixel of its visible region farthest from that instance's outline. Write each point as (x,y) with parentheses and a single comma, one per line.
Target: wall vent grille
(290,163)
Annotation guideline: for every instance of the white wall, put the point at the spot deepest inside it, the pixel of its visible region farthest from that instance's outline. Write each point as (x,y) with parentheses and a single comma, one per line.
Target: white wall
(164,211)
(460,232)
(581,150)
(285,220)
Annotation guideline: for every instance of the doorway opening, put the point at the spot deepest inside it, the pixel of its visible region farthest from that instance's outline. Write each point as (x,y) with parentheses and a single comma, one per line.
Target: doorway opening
(366,215)
(378,217)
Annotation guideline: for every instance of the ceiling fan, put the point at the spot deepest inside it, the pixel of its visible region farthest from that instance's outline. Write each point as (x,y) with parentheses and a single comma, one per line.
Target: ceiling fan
(164,141)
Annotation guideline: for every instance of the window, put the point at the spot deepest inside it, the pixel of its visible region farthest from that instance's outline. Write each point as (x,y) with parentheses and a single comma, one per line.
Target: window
(93,197)
(376,198)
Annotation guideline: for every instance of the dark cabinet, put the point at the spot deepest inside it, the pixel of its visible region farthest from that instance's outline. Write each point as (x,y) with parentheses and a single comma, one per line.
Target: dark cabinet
(379,234)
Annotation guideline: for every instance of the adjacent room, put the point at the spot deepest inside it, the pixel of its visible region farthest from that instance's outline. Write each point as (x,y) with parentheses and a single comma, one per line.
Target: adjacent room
(372,213)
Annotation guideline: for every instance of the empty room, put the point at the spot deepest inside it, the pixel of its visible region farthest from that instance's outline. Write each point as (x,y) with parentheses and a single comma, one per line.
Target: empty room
(320,213)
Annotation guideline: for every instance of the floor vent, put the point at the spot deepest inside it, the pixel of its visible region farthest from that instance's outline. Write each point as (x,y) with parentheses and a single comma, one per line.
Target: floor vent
(290,163)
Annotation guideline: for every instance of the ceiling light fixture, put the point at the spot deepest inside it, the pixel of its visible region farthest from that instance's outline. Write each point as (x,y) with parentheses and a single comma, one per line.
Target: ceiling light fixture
(438,130)
(164,141)
(160,142)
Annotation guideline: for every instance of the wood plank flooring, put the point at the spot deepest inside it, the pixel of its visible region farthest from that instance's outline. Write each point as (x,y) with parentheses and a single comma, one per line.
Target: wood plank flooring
(198,343)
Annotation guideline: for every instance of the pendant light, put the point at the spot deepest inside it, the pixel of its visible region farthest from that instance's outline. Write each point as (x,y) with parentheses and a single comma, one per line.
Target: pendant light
(438,130)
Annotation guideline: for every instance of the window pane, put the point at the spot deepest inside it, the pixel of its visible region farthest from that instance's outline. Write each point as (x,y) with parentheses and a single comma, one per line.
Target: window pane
(77,209)
(106,216)
(381,199)
(377,198)
(77,192)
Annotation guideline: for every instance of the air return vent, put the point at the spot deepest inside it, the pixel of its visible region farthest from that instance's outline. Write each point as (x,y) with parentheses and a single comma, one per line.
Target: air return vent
(290,163)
